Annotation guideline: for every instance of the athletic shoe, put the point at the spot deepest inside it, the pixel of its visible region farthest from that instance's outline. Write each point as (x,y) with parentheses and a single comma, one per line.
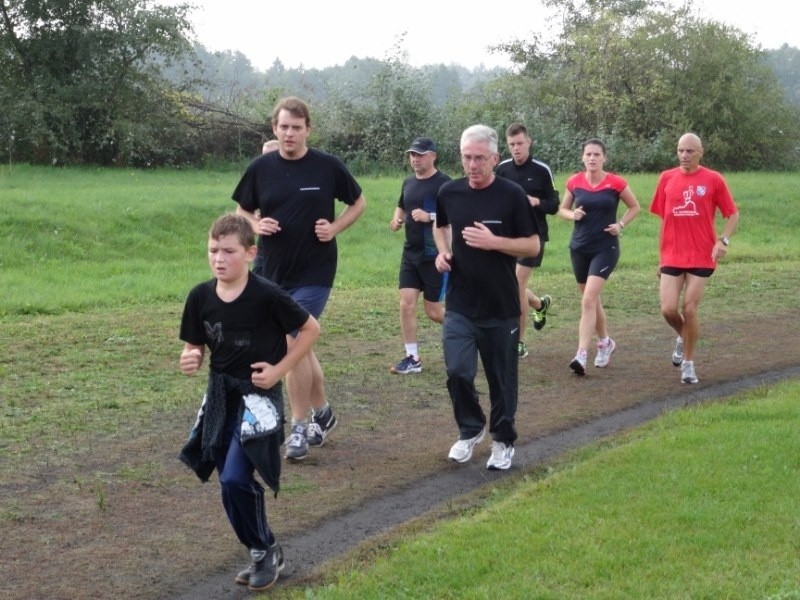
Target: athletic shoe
(578,364)
(687,372)
(265,568)
(321,425)
(500,460)
(540,316)
(522,350)
(461,451)
(297,444)
(677,354)
(243,577)
(604,353)
(408,365)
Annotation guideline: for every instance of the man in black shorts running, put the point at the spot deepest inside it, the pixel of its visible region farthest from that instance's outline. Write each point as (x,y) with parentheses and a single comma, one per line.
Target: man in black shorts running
(536,179)
(416,209)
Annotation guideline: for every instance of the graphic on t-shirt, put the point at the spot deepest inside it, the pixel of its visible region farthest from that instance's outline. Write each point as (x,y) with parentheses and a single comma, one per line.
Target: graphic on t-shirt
(689,208)
(214,332)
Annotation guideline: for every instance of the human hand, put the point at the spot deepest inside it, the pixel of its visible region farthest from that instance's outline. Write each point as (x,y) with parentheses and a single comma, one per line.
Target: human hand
(479,236)
(442,262)
(264,375)
(190,361)
(578,213)
(324,230)
(268,226)
(421,216)
(395,224)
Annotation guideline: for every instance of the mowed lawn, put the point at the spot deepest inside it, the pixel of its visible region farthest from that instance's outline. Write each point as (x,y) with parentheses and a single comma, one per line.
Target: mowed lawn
(701,504)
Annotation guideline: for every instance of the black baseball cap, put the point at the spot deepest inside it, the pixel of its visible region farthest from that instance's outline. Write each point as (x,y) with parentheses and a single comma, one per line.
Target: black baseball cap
(422,145)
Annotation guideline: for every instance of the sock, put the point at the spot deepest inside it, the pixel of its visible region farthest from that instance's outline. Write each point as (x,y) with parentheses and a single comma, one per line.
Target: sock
(582,352)
(412,350)
(604,341)
(303,422)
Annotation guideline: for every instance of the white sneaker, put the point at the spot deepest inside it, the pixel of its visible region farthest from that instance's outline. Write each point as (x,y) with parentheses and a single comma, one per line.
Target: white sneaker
(677,354)
(578,364)
(687,372)
(461,451)
(500,460)
(604,353)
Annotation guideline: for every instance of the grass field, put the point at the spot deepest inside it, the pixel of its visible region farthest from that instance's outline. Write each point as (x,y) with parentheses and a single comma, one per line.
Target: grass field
(94,268)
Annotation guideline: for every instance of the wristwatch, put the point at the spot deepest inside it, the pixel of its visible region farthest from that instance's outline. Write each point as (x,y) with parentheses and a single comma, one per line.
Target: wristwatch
(725,241)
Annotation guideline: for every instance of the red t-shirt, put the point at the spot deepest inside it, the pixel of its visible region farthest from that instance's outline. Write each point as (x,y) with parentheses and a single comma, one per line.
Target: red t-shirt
(687,204)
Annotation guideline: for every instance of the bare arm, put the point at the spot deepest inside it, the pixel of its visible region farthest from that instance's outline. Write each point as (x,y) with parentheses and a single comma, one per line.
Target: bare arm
(398,218)
(443,236)
(326,230)
(633,209)
(266,375)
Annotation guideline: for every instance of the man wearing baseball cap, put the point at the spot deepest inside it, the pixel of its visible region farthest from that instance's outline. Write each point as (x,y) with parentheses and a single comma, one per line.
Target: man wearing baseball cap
(416,209)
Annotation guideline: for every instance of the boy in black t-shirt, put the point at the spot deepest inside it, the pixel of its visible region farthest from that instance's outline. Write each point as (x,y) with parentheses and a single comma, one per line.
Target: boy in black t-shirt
(243,319)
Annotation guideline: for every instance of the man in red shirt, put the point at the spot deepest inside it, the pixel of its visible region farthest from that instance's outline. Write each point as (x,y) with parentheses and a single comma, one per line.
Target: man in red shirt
(686,199)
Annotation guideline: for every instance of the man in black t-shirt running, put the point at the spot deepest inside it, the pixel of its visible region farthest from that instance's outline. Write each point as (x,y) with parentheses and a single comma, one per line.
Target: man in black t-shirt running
(536,179)
(294,192)
(416,209)
(483,223)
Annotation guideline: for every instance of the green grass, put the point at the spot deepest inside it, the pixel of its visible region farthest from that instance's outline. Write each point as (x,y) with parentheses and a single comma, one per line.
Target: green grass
(95,266)
(79,240)
(702,503)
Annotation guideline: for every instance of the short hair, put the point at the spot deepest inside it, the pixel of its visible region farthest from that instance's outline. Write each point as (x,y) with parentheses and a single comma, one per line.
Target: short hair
(270,146)
(294,106)
(233,224)
(516,129)
(480,133)
(594,142)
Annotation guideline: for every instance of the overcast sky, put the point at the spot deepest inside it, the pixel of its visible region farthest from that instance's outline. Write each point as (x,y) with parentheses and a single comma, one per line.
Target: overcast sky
(320,33)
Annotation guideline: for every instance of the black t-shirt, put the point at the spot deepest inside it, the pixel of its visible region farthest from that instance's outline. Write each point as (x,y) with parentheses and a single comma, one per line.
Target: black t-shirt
(536,179)
(420,193)
(252,328)
(297,193)
(483,283)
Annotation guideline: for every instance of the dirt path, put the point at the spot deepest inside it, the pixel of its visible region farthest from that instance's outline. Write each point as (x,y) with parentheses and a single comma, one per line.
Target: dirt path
(388,466)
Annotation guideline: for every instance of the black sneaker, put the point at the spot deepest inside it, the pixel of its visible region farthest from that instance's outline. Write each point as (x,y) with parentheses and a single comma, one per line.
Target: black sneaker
(540,316)
(321,425)
(243,577)
(408,365)
(265,568)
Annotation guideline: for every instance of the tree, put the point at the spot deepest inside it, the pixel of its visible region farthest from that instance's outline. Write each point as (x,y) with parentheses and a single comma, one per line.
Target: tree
(641,73)
(82,79)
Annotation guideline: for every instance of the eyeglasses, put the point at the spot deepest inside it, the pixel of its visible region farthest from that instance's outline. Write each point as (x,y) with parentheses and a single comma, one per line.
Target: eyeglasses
(480,159)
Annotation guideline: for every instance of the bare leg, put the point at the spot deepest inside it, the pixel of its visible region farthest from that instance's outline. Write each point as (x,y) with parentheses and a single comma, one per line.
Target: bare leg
(693,293)
(305,385)
(408,314)
(523,275)
(593,317)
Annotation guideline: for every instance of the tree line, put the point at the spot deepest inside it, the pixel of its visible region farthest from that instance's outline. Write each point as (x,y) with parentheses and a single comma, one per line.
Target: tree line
(119,83)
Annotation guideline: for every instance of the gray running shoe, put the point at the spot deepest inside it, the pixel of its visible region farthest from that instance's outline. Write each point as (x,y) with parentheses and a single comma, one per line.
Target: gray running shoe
(297,444)
(243,577)
(677,354)
(687,372)
(500,460)
(461,451)
(265,568)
